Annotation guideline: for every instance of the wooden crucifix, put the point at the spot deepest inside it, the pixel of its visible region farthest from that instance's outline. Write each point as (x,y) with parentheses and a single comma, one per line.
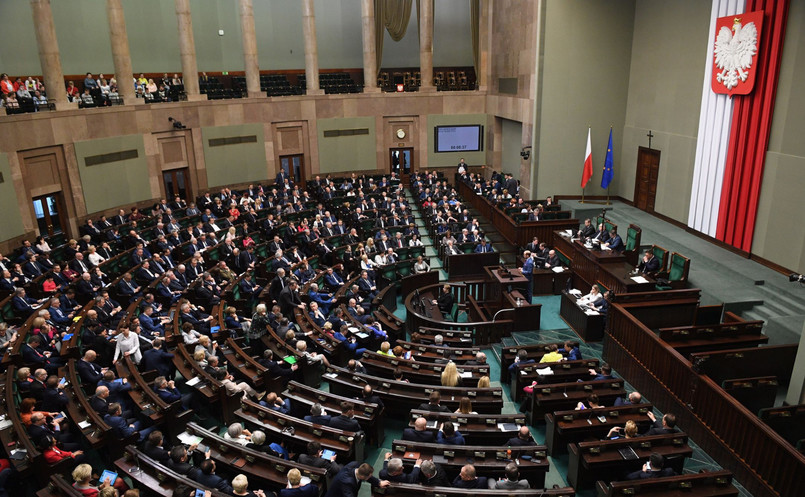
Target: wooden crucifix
(650,136)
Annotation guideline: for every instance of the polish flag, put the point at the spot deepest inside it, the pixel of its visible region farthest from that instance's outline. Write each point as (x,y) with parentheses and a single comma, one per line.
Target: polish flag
(588,162)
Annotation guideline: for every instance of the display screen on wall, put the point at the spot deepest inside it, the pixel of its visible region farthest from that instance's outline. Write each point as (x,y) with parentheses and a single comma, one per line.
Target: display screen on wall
(464,138)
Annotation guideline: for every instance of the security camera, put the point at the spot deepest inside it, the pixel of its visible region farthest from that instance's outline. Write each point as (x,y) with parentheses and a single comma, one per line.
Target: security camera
(796,277)
(177,124)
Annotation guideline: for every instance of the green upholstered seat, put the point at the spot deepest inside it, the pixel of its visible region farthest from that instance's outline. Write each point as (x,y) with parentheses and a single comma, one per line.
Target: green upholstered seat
(662,255)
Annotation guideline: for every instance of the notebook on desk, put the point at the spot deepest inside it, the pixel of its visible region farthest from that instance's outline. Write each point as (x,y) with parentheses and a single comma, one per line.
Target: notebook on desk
(628,454)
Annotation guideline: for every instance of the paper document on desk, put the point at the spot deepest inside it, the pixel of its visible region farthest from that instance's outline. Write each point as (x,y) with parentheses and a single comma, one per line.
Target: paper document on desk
(466,374)
(189,439)
(508,427)
(569,232)
(604,247)
(558,269)
(575,293)
(331,375)
(639,279)
(84,424)
(591,312)
(545,371)
(193,381)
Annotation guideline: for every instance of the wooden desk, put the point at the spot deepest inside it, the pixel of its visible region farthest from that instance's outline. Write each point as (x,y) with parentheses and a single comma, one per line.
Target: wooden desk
(158,479)
(433,353)
(707,484)
(587,264)
(563,372)
(370,416)
(592,461)
(400,397)
(526,316)
(488,461)
(618,278)
(563,427)
(416,490)
(477,429)
(565,396)
(589,328)
(426,373)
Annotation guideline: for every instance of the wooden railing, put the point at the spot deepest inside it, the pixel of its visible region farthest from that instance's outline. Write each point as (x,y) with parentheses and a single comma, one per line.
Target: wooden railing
(763,461)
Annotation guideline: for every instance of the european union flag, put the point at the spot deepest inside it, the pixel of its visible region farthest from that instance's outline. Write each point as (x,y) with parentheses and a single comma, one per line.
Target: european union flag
(609,173)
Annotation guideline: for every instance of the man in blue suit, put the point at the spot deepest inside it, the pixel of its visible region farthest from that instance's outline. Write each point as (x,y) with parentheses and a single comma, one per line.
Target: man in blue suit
(333,280)
(150,326)
(482,247)
(89,372)
(157,358)
(122,428)
(615,242)
(167,391)
(325,300)
(317,415)
(528,272)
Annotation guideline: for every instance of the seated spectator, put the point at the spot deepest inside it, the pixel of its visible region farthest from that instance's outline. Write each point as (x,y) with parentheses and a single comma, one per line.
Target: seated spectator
(627,431)
(448,435)
(221,374)
(652,469)
(314,458)
(450,376)
(553,355)
(295,487)
(394,471)
(468,479)
(317,415)
(205,475)
(592,403)
(346,420)
(512,480)
(238,433)
(433,475)
(419,433)
(661,427)
(434,403)
(523,438)
(240,486)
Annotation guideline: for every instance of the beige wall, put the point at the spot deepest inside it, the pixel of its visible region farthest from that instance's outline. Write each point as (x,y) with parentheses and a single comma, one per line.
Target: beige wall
(779,230)
(585,79)
(339,154)
(10,224)
(665,88)
(115,183)
(235,163)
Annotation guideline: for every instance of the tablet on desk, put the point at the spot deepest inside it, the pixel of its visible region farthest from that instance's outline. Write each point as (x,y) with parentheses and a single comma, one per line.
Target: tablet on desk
(214,330)
(327,454)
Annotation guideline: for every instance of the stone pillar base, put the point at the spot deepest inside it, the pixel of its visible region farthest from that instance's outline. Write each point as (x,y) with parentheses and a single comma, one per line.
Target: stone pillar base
(317,91)
(65,105)
(427,89)
(198,97)
(256,94)
(373,89)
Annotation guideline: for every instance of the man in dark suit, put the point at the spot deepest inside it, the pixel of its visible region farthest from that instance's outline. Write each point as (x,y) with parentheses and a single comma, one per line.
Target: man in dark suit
(153,447)
(282,369)
(512,480)
(367,286)
(523,438)
(615,243)
(587,230)
(634,398)
(649,264)
(468,479)
(419,433)
(33,357)
(652,469)
(346,421)
(39,429)
(313,457)
(434,403)
(664,426)
(370,397)
(53,397)
(318,416)
(347,482)
(89,372)
(36,388)
(205,475)
(157,358)
(432,475)
(394,471)
(290,300)
(333,280)
(23,305)
(602,235)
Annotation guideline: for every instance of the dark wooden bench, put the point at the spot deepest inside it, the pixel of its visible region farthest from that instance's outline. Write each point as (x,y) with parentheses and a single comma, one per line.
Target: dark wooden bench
(477,429)
(601,460)
(565,396)
(707,484)
(414,490)
(563,427)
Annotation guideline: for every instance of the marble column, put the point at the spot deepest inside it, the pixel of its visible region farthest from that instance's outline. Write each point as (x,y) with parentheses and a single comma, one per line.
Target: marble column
(426,45)
(120,51)
(484,44)
(369,47)
(250,49)
(187,50)
(49,54)
(311,48)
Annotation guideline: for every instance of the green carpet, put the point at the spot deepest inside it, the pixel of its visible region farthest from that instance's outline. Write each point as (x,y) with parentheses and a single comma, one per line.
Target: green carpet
(549,319)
